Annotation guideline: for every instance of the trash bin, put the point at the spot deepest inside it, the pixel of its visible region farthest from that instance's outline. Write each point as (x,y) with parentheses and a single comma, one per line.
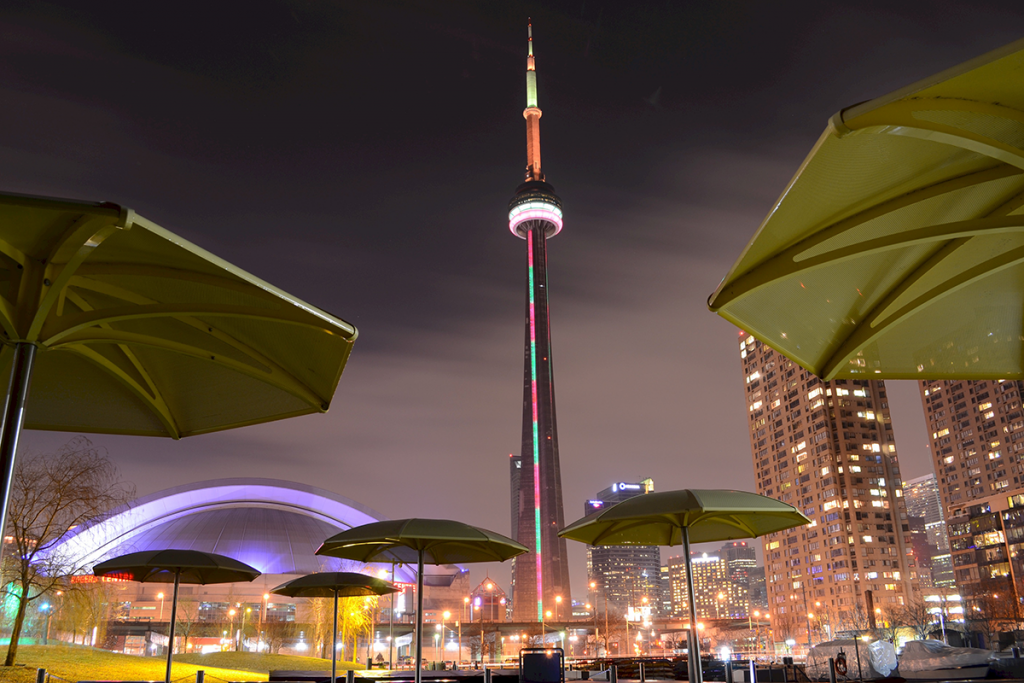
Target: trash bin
(542,665)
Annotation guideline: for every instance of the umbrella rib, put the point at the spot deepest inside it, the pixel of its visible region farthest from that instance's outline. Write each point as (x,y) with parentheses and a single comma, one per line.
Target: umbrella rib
(870,327)
(77,244)
(899,118)
(788,262)
(279,379)
(153,398)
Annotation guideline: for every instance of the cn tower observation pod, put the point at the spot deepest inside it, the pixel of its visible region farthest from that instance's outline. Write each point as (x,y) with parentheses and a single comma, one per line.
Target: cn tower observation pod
(535,200)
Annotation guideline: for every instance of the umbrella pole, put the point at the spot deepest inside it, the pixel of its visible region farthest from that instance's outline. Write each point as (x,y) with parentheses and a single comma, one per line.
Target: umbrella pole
(14,415)
(334,641)
(693,657)
(174,617)
(391,624)
(419,616)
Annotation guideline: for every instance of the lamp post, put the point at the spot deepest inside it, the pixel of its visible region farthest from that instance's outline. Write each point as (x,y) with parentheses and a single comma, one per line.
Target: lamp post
(543,630)
(241,636)
(476,606)
(161,598)
(48,609)
(231,613)
(558,606)
(465,604)
(752,627)
(437,631)
(444,617)
(264,606)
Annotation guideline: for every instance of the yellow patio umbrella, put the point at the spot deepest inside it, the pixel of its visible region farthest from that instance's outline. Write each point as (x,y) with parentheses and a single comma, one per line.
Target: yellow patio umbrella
(121,327)
(897,250)
(680,518)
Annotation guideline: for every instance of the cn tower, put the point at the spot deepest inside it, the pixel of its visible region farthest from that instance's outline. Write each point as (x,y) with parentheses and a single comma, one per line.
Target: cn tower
(540,579)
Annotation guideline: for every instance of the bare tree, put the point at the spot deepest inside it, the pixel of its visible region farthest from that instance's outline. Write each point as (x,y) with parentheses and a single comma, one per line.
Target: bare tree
(890,622)
(85,609)
(917,615)
(185,624)
(51,495)
(987,612)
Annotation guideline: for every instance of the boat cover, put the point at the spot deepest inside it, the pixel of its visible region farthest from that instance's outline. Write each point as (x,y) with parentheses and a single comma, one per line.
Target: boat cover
(877,659)
(929,655)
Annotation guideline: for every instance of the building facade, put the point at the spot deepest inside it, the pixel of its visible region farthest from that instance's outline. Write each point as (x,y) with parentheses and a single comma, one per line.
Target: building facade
(931,541)
(535,215)
(976,428)
(622,576)
(977,440)
(828,449)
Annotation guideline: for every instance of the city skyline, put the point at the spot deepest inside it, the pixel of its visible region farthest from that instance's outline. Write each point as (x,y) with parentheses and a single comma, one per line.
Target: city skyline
(302,141)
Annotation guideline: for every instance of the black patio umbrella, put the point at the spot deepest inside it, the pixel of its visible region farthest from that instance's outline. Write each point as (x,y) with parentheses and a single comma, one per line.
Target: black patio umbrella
(434,541)
(334,585)
(175,566)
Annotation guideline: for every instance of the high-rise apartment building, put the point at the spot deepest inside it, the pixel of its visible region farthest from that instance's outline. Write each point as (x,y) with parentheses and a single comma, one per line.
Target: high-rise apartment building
(977,440)
(622,576)
(717,595)
(828,449)
(924,501)
(977,443)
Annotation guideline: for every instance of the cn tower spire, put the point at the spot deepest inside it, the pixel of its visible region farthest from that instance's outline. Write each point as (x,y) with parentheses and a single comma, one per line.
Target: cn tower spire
(532,112)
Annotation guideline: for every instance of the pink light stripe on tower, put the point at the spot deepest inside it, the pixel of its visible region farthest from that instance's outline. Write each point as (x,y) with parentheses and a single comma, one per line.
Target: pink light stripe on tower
(536,432)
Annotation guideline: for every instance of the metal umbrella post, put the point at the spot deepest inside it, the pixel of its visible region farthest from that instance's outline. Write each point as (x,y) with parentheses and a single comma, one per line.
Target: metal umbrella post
(334,641)
(170,631)
(13,418)
(419,615)
(693,656)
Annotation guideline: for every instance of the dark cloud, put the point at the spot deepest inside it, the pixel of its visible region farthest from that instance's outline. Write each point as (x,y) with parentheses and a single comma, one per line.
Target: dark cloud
(360,156)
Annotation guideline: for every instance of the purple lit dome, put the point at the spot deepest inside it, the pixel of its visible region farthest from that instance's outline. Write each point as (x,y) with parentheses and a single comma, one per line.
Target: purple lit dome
(275,526)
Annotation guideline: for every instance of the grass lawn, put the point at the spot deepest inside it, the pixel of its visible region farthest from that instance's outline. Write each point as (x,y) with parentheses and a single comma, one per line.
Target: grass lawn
(262,663)
(81,663)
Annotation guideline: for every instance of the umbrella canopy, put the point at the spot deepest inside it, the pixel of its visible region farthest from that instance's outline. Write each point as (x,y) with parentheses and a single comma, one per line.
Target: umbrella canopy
(682,517)
(431,541)
(185,566)
(707,515)
(175,566)
(897,250)
(122,327)
(441,541)
(334,585)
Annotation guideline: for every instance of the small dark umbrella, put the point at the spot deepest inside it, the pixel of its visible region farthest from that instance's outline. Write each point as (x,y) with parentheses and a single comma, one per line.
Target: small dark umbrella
(434,541)
(334,585)
(175,566)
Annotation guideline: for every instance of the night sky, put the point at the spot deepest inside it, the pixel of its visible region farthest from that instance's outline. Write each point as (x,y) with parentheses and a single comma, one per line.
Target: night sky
(361,156)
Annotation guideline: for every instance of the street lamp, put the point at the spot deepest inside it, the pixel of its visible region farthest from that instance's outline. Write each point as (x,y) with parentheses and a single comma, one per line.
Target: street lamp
(438,631)
(231,613)
(46,607)
(161,598)
(263,613)
(241,636)
(543,631)
(558,605)
(444,617)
